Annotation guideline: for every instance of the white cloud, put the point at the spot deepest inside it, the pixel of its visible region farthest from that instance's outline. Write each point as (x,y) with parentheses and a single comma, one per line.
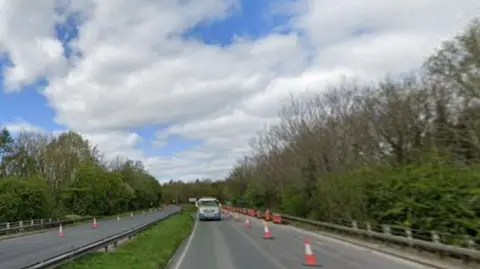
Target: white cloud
(187,81)
(114,143)
(26,35)
(21,125)
(397,35)
(136,68)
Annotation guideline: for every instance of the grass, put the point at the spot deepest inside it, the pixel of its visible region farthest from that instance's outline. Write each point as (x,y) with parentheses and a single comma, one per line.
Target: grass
(151,249)
(189,208)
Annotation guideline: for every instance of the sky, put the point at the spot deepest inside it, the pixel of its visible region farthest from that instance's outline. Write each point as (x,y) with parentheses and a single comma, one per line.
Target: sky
(182,85)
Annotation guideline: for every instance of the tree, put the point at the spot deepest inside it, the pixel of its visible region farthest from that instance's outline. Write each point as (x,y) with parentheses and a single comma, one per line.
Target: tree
(47,176)
(402,151)
(24,198)
(6,143)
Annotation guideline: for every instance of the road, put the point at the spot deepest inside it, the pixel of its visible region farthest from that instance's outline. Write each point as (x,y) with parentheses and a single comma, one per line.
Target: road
(229,245)
(24,251)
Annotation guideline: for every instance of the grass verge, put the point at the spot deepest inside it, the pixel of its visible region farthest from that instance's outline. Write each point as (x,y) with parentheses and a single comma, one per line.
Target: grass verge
(151,249)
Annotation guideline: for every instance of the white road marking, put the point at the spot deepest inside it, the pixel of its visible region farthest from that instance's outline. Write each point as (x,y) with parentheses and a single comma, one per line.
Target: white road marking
(358,247)
(189,242)
(223,255)
(258,247)
(324,239)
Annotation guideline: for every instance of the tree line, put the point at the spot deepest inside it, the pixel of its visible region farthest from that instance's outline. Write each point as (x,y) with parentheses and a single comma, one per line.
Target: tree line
(177,191)
(402,151)
(43,176)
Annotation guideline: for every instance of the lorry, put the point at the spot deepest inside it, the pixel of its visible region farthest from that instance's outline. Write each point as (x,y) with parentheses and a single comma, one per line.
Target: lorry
(208,209)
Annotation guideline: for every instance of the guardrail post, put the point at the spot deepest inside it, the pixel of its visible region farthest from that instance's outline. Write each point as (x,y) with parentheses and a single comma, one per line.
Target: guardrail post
(354,225)
(408,233)
(20,224)
(41,222)
(8,225)
(386,230)
(436,240)
(31,222)
(470,243)
(369,227)
(435,237)
(50,220)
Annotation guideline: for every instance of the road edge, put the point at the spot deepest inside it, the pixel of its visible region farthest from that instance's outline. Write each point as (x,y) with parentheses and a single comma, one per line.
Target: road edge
(183,247)
(383,249)
(366,245)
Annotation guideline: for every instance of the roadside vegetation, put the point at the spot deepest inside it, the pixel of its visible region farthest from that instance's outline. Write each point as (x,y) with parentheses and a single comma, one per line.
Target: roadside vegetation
(403,151)
(151,249)
(43,176)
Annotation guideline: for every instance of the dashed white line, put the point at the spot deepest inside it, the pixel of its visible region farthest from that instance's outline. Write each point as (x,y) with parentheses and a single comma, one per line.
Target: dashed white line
(258,247)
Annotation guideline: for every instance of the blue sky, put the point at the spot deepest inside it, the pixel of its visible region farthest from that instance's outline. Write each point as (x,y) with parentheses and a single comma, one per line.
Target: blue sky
(142,78)
(253,20)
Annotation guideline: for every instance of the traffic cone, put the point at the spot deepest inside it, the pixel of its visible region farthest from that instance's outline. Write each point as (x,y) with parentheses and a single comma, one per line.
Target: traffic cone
(60,231)
(94,224)
(247,223)
(266,232)
(310,259)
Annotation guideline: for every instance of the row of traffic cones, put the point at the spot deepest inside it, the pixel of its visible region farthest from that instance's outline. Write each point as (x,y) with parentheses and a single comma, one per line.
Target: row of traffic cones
(267,234)
(94,224)
(310,259)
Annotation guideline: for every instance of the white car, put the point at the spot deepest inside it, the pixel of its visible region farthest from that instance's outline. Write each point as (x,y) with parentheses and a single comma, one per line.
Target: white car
(208,209)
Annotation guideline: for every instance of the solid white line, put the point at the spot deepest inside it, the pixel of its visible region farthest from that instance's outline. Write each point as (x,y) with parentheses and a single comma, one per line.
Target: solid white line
(189,242)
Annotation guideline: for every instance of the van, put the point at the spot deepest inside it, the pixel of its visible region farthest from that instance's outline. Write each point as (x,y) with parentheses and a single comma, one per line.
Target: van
(208,209)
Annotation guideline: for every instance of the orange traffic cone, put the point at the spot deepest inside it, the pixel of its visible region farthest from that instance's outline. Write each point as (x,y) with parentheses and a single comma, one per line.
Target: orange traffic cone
(310,259)
(247,223)
(266,232)
(60,231)
(94,224)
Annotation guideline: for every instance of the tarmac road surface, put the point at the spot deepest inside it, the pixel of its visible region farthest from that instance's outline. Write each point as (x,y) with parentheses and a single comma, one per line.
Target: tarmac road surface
(227,244)
(24,251)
